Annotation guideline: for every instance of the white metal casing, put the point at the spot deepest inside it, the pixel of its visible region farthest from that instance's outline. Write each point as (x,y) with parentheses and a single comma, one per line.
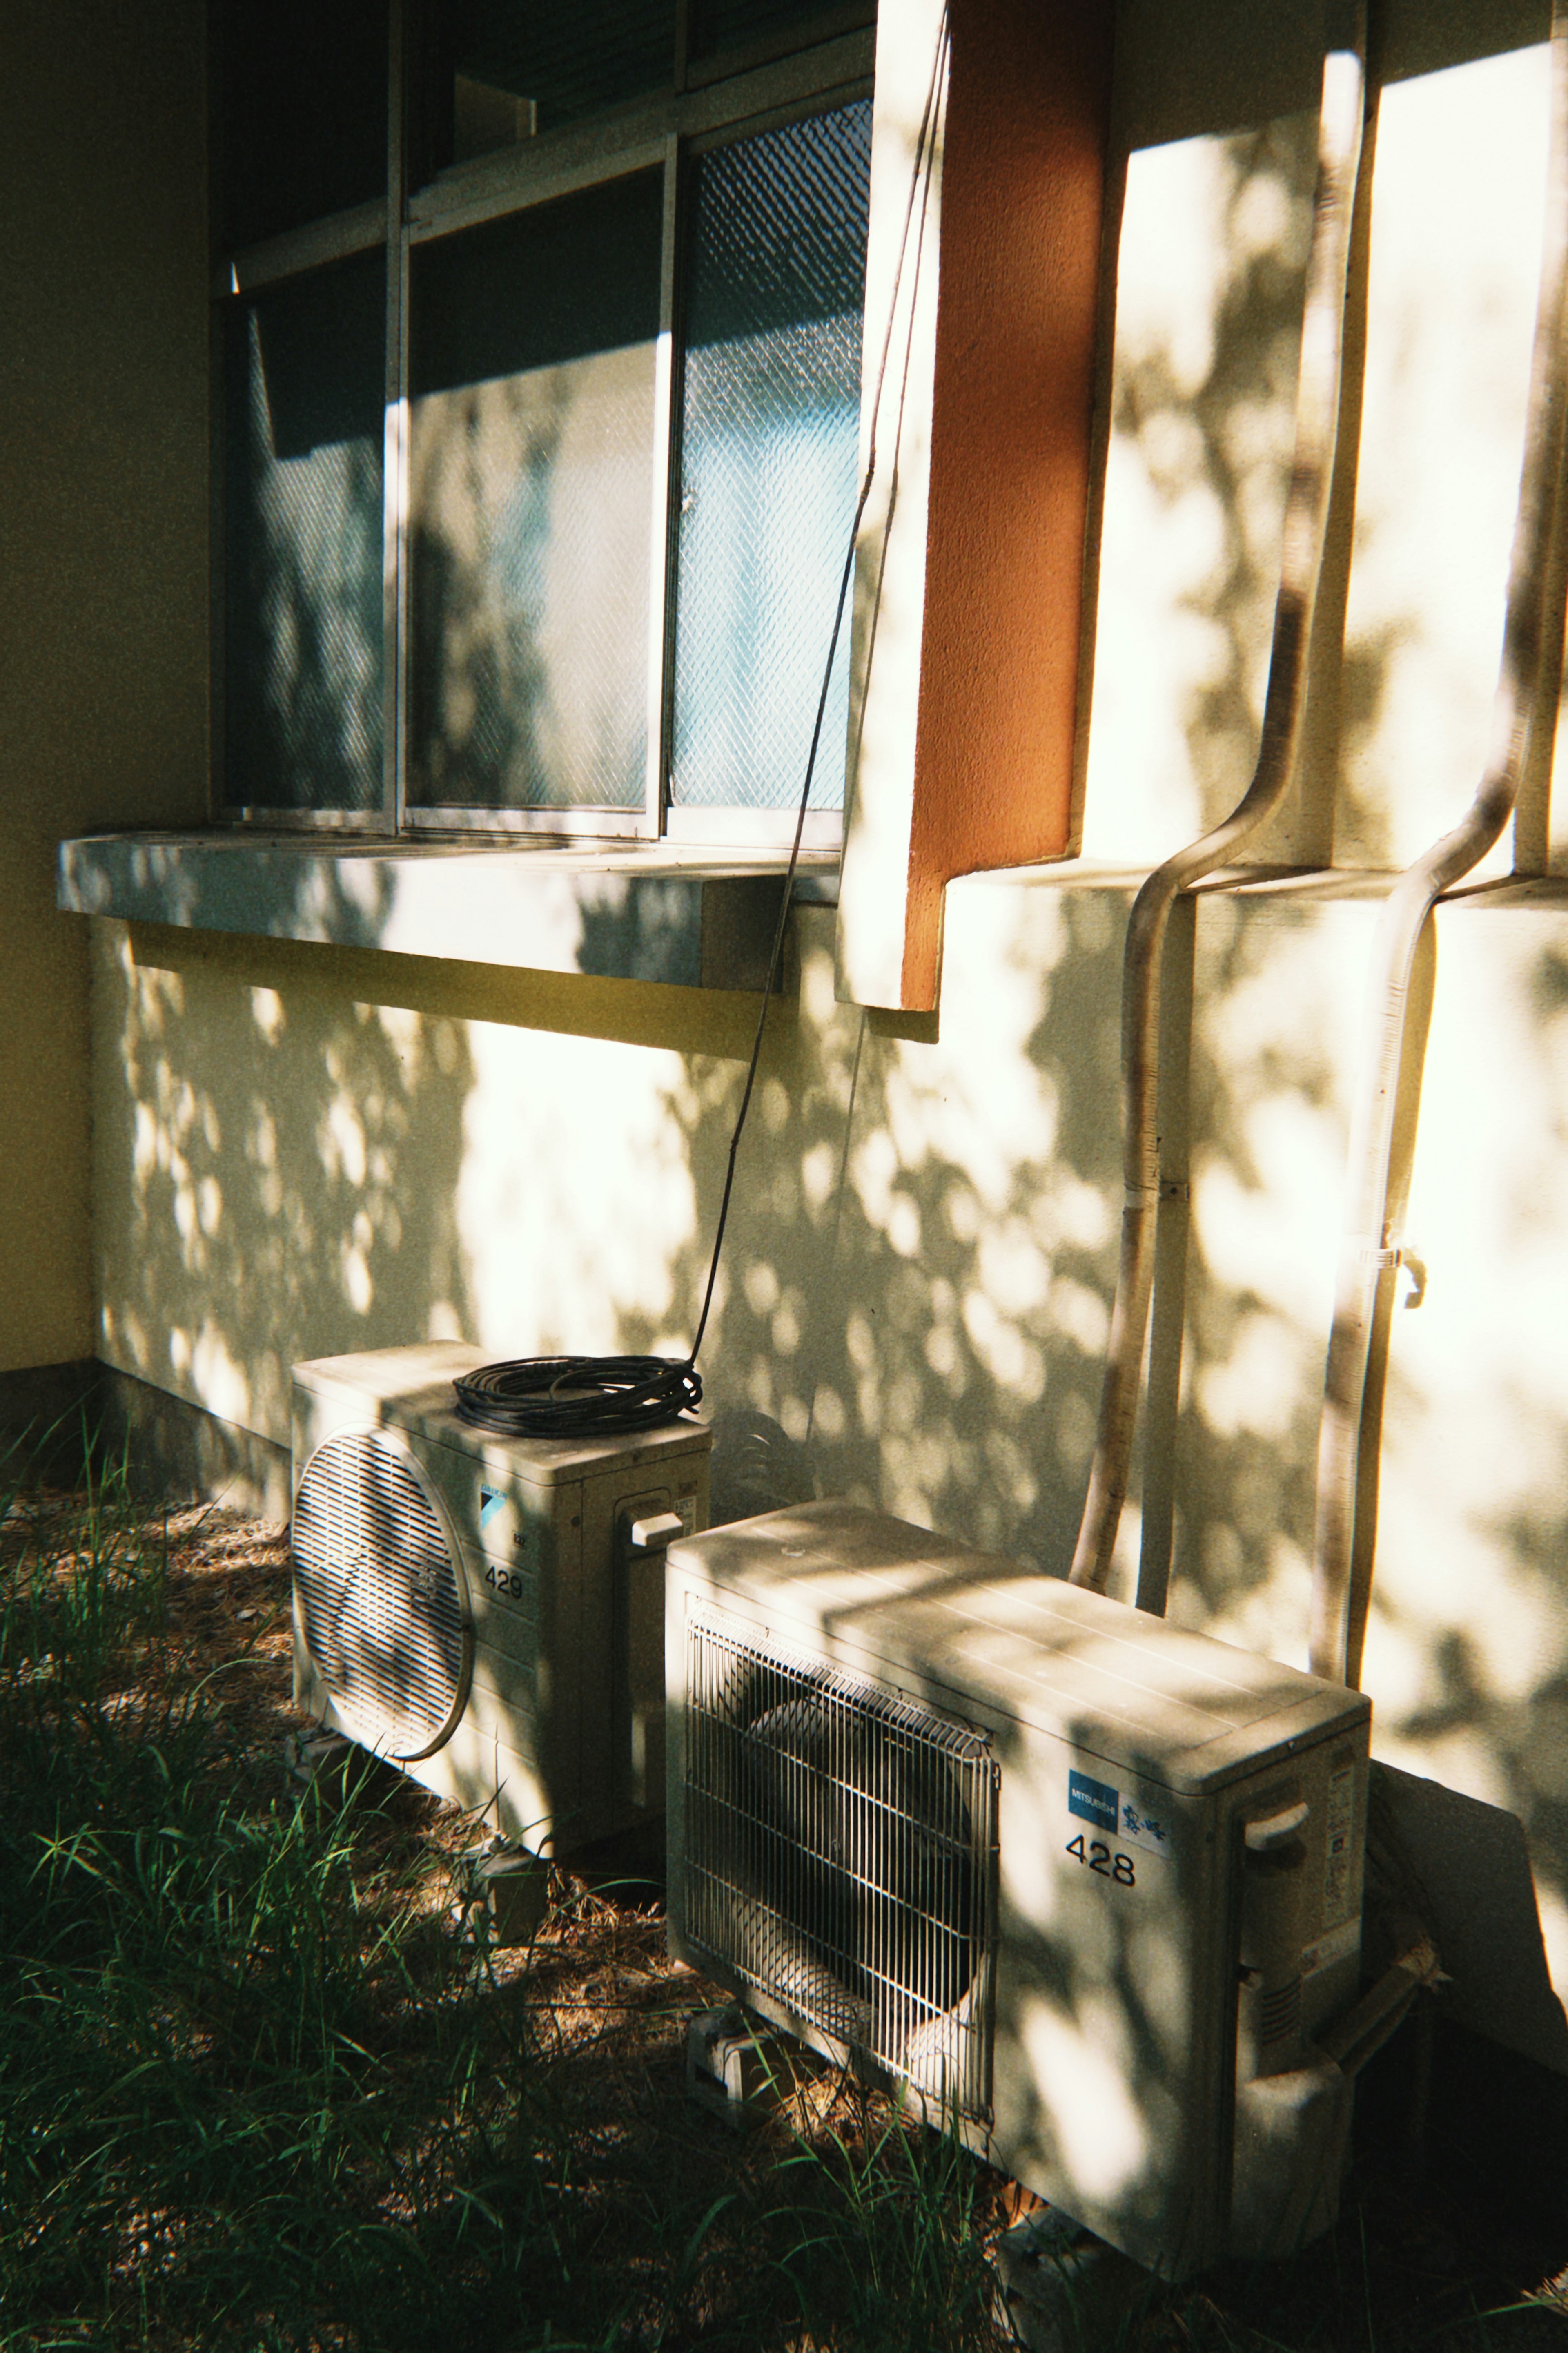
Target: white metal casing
(1130,1758)
(558,1728)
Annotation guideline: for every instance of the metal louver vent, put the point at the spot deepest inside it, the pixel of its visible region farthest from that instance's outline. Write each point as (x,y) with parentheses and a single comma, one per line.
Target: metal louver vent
(384,1617)
(839,1853)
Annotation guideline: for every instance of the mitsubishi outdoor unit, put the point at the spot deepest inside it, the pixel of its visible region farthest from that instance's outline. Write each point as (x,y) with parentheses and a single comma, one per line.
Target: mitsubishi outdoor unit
(486,1612)
(1079,1884)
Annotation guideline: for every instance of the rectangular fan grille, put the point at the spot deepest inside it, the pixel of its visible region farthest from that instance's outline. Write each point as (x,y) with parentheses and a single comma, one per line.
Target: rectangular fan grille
(840,1857)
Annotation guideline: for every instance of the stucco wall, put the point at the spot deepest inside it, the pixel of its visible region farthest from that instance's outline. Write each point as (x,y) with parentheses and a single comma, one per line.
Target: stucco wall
(1212,264)
(102,562)
(303,1150)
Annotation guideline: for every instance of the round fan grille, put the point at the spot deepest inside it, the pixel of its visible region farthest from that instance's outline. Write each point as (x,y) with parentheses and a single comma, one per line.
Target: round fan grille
(379,1594)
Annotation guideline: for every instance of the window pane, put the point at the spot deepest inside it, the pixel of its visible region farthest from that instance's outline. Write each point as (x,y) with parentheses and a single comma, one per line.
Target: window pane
(531,505)
(303,420)
(770,433)
(303,124)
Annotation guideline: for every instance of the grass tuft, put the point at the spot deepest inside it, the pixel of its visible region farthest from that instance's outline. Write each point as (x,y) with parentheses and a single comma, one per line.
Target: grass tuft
(256,2097)
(253,2092)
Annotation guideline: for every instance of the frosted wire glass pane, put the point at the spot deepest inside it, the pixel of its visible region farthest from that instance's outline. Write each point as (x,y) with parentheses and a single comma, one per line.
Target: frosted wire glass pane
(530,506)
(304,624)
(770,427)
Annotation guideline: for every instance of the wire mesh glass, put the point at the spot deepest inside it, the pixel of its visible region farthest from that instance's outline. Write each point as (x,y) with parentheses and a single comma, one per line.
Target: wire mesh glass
(839,1857)
(769,430)
(305,390)
(531,505)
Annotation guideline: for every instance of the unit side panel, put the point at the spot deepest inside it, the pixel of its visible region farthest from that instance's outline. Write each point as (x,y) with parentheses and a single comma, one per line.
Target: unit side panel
(317,1417)
(523,1547)
(1310,1918)
(473,1769)
(310,1693)
(1108,2074)
(622,1731)
(476,1771)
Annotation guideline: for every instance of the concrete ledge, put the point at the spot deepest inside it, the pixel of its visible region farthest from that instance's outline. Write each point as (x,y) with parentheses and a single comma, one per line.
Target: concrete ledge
(681,916)
(47,1415)
(53,1415)
(178,1452)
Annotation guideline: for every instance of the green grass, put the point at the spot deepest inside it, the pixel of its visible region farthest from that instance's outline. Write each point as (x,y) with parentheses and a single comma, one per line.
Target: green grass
(253,2094)
(256,2098)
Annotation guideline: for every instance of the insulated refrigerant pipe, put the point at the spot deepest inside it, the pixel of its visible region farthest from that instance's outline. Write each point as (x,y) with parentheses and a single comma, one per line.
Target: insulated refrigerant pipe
(1339,126)
(1349,1431)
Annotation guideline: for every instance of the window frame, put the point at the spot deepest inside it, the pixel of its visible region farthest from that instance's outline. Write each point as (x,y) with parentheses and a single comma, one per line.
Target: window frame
(711,103)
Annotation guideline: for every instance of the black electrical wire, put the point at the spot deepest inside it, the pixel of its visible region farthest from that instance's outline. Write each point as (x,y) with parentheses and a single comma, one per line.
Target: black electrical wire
(591,1397)
(576,1396)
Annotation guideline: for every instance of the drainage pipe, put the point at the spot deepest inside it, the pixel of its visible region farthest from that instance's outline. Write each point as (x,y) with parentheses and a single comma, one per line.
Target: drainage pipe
(1340,127)
(1351,1430)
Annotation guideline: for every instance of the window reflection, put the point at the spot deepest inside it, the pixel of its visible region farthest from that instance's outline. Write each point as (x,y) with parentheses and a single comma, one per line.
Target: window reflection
(531,505)
(303,671)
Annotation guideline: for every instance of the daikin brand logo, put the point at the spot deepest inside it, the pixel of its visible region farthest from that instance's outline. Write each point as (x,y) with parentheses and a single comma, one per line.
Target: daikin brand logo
(1093,1801)
(490,1501)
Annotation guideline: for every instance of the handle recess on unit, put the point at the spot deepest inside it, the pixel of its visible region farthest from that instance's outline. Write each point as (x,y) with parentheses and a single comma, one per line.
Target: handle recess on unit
(645,1528)
(1268,1832)
(1273,1888)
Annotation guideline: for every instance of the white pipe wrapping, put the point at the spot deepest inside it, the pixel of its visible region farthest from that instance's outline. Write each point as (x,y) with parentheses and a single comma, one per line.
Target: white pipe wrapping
(1340,127)
(1351,1429)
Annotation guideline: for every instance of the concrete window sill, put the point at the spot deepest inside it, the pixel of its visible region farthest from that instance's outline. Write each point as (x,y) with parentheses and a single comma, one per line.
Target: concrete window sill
(688,918)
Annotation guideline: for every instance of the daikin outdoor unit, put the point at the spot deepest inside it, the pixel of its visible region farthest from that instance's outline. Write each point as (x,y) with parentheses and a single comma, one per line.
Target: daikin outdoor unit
(1082,1885)
(485,1611)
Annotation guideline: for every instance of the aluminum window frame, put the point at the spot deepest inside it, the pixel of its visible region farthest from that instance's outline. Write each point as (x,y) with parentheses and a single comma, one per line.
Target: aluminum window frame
(713,103)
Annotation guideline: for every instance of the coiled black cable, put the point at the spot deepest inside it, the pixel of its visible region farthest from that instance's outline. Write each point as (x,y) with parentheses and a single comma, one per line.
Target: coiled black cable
(577,1396)
(589,1396)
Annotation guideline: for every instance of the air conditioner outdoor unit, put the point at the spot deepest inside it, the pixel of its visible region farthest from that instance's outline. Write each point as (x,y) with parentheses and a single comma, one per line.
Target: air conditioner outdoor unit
(478,1608)
(1081,1885)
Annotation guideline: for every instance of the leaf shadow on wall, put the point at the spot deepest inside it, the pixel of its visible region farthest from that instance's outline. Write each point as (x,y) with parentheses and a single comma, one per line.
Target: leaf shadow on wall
(908,1322)
(1209,443)
(279,1165)
(1494,1680)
